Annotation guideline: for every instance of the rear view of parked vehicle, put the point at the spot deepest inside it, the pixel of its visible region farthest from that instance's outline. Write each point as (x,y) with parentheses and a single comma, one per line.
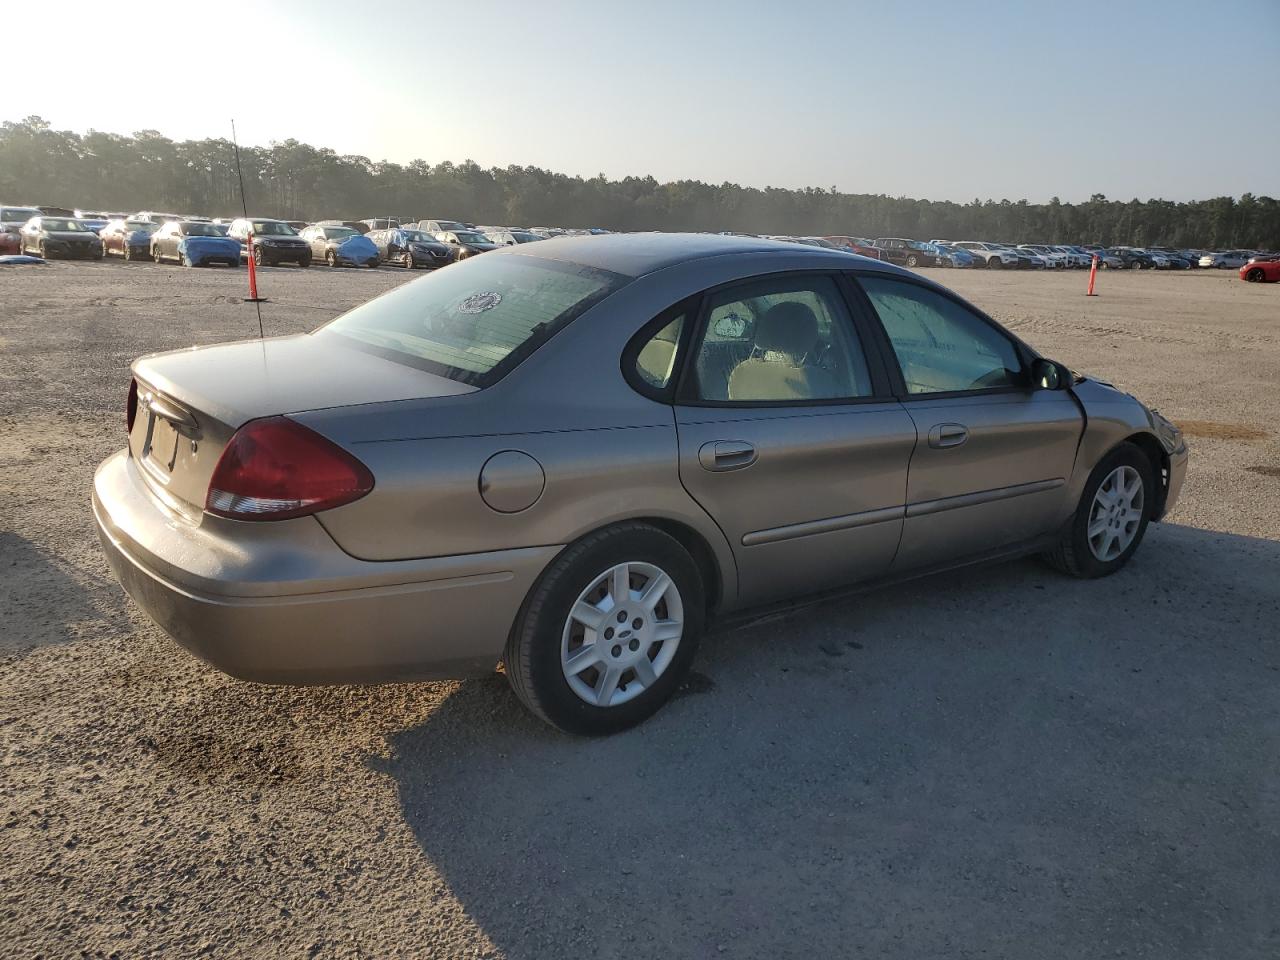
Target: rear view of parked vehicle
(194,243)
(62,237)
(129,239)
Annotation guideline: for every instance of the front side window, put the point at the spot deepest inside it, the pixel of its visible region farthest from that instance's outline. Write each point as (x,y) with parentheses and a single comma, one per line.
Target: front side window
(479,318)
(941,347)
(783,340)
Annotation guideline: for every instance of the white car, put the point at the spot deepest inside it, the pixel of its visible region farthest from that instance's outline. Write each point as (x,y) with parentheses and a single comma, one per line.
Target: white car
(1226,259)
(1075,257)
(1052,256)
(993,254)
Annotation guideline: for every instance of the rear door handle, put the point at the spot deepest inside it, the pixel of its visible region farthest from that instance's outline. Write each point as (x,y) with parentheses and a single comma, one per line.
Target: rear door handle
(944,435)
(722,455)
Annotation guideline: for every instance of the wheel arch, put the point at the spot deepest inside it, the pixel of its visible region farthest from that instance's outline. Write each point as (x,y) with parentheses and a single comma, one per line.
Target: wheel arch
(1155,453)
(715,580)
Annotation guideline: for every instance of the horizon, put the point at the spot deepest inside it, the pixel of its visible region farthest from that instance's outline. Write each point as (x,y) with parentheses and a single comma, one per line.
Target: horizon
(1003,103)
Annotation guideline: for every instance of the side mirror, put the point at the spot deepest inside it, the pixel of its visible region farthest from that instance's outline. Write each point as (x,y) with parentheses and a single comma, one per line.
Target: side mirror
(1050,375)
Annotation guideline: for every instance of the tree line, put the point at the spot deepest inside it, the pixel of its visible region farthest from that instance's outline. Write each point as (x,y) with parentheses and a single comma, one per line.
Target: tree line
(297,181)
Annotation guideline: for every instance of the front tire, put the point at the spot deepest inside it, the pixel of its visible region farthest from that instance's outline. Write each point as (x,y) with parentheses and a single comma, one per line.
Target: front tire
(1255,275)
(1111,519)
(331,260)
(608,632)
(913,261)
(994,263)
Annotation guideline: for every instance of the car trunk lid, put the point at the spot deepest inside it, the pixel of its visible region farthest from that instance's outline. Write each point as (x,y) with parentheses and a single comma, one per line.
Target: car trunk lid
(191,402)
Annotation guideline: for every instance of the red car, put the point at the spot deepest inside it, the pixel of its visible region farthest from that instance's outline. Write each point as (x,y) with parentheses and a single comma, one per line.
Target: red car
(857,245)
(1261,271)
(10,242)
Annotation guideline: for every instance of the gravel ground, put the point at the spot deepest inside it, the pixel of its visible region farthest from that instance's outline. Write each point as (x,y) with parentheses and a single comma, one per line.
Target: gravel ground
(994,763)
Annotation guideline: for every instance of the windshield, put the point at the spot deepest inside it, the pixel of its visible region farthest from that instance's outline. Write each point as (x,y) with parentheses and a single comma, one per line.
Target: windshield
(339,233)
(198,229)
(142,225)
(17,214)
(272,228)
(521,237)
(476,320)
(51,223)
(417,236)
(466,236)
(450,225)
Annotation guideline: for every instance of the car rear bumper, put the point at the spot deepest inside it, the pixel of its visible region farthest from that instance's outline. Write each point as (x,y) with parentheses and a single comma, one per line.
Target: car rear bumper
(282,603)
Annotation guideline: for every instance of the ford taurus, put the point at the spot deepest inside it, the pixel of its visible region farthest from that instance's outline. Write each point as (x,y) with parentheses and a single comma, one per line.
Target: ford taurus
(568,457)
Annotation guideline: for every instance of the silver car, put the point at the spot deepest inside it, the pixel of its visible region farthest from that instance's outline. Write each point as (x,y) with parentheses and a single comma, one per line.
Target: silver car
(570,456)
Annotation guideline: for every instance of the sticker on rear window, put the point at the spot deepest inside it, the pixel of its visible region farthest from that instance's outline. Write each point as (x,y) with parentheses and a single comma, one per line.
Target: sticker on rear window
(480,302)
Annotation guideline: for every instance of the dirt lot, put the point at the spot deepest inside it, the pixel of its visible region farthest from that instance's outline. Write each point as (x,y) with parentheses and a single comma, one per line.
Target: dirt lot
(996,763)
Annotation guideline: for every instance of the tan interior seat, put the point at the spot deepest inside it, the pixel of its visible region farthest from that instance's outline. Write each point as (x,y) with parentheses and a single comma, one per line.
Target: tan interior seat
(786,336)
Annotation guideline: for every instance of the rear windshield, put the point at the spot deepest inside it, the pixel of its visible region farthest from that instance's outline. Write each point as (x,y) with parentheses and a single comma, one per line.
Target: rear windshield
(338,233)
(475,321)
(196,228)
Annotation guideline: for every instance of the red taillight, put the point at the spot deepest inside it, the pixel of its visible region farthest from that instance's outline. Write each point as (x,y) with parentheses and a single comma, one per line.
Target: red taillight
(131,406)
(274,469)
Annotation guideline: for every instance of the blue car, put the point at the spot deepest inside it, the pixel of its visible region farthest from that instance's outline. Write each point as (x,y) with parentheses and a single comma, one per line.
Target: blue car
(339,245)
(194,243)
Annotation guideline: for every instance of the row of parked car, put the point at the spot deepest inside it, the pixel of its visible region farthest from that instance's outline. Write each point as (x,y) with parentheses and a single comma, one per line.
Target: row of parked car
(198,241)
(1027,256)
(426,243)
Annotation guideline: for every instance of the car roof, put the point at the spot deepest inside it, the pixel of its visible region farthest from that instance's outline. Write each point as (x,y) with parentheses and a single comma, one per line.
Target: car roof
(637,254)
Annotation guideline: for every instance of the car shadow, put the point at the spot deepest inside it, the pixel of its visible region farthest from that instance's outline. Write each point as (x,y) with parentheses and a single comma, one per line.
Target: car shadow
(997,762)
(42,601)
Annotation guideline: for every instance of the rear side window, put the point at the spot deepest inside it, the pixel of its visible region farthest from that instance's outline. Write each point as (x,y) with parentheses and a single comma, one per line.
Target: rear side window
(656,359)
(941,347)
(478,319)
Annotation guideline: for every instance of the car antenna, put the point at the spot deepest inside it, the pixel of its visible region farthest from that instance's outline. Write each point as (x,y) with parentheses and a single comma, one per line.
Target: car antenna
(244,204)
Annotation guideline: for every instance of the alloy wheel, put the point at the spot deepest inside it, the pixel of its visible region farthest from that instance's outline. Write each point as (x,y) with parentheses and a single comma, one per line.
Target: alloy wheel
(1116,513)
(621,634)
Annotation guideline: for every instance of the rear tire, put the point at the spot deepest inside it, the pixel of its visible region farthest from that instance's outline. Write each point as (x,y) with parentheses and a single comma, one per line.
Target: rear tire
(547,638)
(1079,555)
(156,255)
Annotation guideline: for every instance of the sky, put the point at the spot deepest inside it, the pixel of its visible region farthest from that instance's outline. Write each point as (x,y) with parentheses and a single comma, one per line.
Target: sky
(938,100)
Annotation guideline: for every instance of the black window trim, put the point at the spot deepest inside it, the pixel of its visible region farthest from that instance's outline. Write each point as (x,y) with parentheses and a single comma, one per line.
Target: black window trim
(686,393)
(899,387)
(689,306)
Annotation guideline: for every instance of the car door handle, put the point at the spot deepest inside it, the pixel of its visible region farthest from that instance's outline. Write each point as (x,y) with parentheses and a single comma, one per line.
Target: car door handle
(721,455)
(944,435)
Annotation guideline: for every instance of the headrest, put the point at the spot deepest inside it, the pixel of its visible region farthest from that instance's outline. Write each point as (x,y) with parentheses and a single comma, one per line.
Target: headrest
(789,327)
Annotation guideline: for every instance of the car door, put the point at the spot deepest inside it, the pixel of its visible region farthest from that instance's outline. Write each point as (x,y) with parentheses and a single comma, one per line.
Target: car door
(995,452)
(789,437)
